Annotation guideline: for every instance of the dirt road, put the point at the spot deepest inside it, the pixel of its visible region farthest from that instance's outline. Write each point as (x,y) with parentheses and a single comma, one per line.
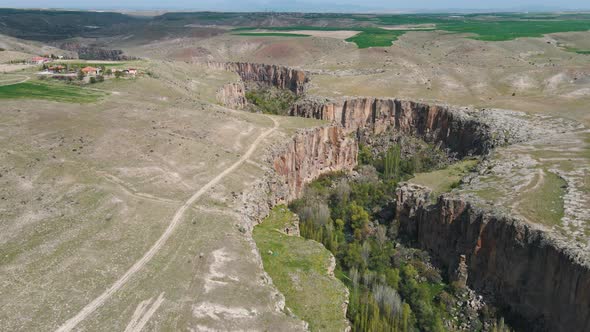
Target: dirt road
(100,300)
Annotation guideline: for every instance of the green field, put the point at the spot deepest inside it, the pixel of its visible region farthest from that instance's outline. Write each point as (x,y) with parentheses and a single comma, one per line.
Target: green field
(487,27)
(271,34)
(298,268)
(508,30)
(375,38)
(49,91)
(575,50)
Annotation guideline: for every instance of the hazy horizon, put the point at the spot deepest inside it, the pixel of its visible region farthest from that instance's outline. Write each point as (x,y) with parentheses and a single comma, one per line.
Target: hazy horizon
(307,5)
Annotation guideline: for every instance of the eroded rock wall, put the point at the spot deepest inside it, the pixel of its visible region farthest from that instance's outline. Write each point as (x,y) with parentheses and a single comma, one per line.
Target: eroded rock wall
(523,268)
(277,76)
(300,160)
(314,152)
(457,129)
(232,95)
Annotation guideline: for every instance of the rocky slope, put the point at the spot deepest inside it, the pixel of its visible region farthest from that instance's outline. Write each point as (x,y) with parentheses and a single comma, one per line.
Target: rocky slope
(523,268)
(277,76)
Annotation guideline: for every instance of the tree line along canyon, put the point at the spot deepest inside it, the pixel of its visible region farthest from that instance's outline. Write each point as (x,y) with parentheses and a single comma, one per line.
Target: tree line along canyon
(288,171)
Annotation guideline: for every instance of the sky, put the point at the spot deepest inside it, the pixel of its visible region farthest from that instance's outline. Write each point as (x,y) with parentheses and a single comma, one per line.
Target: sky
(307,5)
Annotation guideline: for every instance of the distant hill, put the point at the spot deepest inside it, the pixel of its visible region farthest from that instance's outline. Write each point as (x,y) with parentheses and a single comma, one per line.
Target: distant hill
(46,25)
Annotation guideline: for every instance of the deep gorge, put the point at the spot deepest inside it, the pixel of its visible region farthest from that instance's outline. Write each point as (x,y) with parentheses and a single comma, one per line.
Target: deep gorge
(521,268)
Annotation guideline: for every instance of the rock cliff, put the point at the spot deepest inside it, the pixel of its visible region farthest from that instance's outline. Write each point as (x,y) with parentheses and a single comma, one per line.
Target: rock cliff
(463,131)
(523,268)
(303,158)
(232,95)
(277,76)
(312,153)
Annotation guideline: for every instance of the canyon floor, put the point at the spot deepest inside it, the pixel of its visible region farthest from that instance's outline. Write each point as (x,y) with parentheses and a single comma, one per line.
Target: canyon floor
(124,212)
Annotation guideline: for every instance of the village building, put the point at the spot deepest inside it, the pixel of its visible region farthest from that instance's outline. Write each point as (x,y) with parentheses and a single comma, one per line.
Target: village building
(56,69)
(40,60)
(91,71)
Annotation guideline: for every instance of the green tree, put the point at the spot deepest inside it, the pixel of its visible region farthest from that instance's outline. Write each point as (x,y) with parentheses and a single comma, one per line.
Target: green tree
(352,256)
(80,75)
(359,220)
(365,156)
(392,276)
(392,163)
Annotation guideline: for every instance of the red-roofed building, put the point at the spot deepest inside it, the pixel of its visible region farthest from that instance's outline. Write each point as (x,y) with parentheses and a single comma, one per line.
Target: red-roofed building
(90,70)
(40,60)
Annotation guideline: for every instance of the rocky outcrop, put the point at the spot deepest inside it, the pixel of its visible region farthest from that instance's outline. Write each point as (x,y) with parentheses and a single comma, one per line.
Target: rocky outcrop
(277,76)
(462,131)
(523,268)
(314,152)
(232,95)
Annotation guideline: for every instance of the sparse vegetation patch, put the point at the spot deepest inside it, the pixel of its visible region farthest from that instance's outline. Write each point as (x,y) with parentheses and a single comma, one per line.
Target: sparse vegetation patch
(542,201)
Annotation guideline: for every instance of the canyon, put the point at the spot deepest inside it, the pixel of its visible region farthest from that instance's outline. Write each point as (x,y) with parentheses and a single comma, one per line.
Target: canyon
(522,267)
(278,76)
(419,178)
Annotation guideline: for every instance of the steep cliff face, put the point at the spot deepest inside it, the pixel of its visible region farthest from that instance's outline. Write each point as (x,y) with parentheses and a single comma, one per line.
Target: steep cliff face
(277,76)
(459,130)
(232,95)
(304,157)
(314,152)
(523,268)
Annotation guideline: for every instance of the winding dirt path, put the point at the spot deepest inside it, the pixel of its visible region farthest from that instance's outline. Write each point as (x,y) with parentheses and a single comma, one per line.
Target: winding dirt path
(100,300)
(26,78)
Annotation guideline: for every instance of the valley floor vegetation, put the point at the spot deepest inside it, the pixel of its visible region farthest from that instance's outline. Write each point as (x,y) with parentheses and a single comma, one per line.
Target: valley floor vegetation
(393,287)
(270,100)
